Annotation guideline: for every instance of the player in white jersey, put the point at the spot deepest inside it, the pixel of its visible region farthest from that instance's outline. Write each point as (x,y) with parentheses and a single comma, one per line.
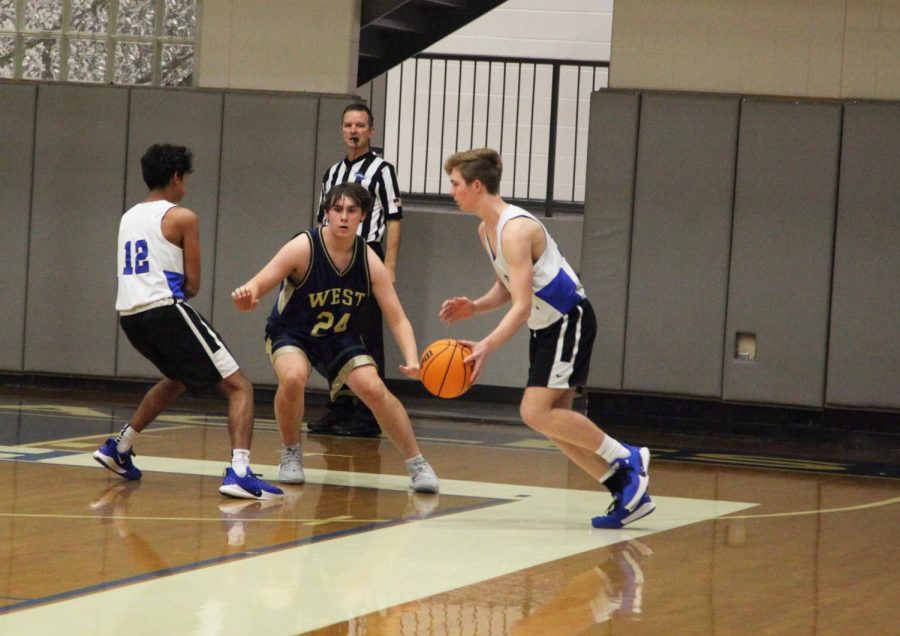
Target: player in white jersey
(158,270)
(544,291)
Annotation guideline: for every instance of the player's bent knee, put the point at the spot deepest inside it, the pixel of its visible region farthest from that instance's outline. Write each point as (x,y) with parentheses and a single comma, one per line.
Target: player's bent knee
(372,393)
(293,382)
(236,383)
(532,416)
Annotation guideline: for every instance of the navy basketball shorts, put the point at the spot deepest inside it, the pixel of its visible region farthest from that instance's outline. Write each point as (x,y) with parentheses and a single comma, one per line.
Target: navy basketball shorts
(181,344)
(560,355)
(333,356)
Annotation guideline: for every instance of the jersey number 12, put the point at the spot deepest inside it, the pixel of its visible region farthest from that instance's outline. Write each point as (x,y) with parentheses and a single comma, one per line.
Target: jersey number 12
(141,265)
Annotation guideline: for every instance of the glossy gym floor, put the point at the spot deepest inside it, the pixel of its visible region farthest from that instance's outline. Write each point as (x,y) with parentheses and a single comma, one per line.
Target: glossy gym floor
(740,543)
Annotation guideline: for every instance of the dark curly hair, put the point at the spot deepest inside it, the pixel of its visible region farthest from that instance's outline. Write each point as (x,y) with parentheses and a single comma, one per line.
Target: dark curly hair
(161,161)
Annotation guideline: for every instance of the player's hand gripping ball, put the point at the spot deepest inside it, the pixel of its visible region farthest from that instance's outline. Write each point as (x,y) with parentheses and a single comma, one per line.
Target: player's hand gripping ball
(442,369)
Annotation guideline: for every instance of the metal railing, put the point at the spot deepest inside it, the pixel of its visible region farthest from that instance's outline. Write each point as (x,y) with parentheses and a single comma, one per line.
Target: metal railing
(534,112)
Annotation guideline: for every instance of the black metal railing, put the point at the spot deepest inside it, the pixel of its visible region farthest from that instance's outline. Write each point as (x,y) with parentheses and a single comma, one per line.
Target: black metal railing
(533,111)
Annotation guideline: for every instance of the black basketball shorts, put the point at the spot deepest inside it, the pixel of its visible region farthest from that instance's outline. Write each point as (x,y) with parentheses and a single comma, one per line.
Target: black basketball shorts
(181,344)
(560,355)
(333,356)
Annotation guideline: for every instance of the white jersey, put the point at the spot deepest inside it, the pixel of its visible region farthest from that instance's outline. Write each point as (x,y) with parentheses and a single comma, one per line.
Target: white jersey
(555,285)
(151,269)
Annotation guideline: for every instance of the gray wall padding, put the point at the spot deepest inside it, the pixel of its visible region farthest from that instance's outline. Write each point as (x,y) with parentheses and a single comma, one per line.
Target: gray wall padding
(611,152)
(864,352)
(192,119)
(785,198)
(79,183)
(329,144)
(659,276)
(17,103)
(680,238)
(266,192)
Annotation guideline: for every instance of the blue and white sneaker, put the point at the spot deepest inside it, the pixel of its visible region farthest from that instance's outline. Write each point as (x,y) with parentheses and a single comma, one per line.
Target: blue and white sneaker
(634,480)
(248,487)
(108,457)
(618,516)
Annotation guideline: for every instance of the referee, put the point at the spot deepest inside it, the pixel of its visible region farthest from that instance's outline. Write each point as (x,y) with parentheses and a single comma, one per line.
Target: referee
(347,415)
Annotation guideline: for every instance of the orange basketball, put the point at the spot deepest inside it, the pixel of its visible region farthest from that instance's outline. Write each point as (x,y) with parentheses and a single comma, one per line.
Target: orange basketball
(442,369)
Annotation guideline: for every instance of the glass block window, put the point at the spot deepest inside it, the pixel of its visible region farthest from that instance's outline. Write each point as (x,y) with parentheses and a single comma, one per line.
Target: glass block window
(7,57)
(104,41)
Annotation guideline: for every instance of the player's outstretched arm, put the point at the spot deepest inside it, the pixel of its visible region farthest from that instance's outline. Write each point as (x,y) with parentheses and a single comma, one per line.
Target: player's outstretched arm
(393,312)
(517,248)
(462,308)
(292,261)
(518,239)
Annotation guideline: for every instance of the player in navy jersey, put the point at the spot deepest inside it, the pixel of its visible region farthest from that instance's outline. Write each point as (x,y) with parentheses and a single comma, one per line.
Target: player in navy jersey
(543,291)
(345,415)
(158,270)
(326,275)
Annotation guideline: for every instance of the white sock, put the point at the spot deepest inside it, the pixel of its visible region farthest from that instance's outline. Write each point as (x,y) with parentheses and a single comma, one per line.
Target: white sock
(611,450)
(412,460)
(126,439)
(240,461)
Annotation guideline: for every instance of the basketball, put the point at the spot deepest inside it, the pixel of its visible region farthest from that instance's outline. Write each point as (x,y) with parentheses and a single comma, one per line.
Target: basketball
(442,369)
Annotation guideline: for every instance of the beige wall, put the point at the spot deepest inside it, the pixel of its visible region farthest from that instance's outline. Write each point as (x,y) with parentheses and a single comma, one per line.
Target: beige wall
(282,45)
(566,29)
(815,48)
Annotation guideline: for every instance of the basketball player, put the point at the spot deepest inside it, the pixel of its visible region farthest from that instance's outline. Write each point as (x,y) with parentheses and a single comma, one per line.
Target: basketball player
(346,415)
(544,292)
(326,274)
(158,270)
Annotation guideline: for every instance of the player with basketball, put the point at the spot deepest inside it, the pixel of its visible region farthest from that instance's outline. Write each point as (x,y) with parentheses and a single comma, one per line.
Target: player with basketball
(325,274)
(544,292)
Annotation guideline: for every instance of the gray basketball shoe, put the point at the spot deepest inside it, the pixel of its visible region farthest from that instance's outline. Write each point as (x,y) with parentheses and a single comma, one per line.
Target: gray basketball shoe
(291,469)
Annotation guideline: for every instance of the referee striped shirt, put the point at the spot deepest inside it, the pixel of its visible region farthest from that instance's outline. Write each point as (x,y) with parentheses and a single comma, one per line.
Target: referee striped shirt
(380,179)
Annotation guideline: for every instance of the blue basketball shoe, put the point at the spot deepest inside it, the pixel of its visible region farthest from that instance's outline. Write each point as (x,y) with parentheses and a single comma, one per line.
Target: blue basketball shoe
(108,457)
(631,476)
(618,516)
(248,487)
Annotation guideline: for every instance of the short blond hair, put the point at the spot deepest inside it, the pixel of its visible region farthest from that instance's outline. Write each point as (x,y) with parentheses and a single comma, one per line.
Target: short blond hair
(483,164)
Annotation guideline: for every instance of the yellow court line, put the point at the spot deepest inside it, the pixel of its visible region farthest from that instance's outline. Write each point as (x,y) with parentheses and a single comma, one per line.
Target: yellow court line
(84,413)
(450,440)
(67,440)
(874,504)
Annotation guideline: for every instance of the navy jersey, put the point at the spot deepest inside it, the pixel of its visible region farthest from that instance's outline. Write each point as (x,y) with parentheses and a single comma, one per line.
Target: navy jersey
(324,302)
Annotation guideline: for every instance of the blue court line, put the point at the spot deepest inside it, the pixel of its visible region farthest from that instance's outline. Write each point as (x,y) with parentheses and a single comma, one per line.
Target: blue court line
(11,456)
(238,556)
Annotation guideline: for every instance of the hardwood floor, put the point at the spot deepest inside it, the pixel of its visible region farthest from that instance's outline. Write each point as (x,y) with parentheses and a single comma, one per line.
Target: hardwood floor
(739,544)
